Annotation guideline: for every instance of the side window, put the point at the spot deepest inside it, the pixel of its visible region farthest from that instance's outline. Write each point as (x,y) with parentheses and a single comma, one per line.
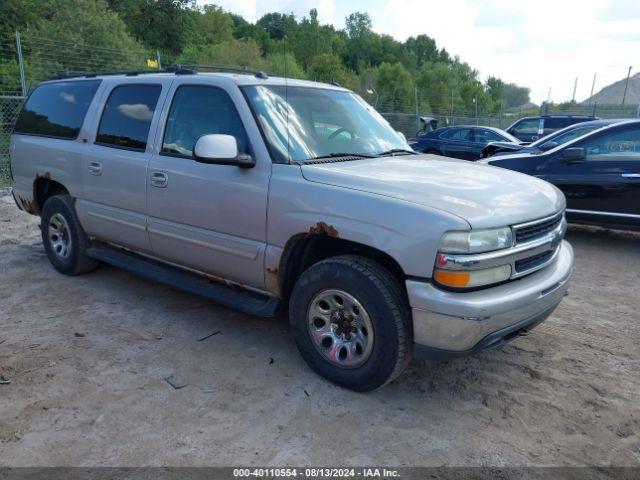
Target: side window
(529,126)
(486,136)
(199,110)
(458,134)
(614,146)
(555,123)
(127,115)
(57,109)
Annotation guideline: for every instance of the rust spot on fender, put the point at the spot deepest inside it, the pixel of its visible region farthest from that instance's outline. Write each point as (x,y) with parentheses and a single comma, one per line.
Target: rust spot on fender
(26,204)
(274,273)
(322,227)
(46,175)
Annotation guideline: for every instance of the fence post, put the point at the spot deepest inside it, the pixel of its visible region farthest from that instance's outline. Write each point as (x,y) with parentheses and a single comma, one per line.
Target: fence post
(158,58)
(23,83)
(415,94)
(453,121)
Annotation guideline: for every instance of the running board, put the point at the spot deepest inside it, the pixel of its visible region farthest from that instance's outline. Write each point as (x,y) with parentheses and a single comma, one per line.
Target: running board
(232,297)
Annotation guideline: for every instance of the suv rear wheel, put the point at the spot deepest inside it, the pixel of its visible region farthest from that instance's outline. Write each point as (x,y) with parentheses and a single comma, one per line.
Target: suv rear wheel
(351,322)
(65,242)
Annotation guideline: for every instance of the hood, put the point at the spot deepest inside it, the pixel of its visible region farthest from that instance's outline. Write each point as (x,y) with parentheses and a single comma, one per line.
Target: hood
(492,147)
(483,195)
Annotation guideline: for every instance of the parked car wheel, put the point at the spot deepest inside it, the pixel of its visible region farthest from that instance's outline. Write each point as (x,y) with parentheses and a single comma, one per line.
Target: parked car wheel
(65,242)
(351,322)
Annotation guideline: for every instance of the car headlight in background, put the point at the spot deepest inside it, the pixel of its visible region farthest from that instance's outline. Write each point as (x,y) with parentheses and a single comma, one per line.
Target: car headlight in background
(476,241)
(448,273)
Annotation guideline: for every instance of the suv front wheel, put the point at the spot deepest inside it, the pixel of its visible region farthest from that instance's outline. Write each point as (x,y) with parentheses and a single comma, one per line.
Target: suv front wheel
(64,240)
(351,322)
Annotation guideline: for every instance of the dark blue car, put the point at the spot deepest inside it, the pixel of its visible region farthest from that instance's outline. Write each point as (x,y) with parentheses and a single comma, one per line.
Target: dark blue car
(599,174)
(463,141)
(549,142)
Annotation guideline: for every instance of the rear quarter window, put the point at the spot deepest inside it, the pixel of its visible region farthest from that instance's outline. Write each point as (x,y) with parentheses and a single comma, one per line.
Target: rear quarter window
(57,109)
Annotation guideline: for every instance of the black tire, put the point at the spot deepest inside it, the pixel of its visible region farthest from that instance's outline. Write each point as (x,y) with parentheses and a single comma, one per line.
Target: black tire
(76,261)
(387,306)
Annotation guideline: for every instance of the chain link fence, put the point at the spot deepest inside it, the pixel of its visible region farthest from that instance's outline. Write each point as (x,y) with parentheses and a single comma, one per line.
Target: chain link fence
(27,60)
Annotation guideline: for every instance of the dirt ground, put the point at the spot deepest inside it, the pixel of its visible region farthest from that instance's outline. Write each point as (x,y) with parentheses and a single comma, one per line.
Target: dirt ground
(87,358)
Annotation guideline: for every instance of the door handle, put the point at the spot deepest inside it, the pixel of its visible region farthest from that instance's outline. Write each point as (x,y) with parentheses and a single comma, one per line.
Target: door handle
(159,179)
(630,175)
(95,168)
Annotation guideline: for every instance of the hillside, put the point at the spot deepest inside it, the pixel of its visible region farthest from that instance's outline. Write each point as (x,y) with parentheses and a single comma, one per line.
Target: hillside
(612,94)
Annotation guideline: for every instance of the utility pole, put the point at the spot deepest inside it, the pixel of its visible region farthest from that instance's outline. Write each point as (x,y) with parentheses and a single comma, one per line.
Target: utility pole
(593,84)
(626,85)
(575,87)
(549,96)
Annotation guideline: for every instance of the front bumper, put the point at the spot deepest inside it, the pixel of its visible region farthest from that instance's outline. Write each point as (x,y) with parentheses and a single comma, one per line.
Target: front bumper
(454,324)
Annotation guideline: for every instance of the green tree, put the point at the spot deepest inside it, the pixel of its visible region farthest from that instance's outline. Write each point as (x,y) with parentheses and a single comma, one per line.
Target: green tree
(310,39)
(161,24)
(394,86)
(231,53)
(281,64)
(211,26)
(278,25)
(94,38)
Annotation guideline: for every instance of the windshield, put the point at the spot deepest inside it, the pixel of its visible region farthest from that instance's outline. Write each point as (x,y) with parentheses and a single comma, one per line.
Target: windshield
(564,137)
(321,123)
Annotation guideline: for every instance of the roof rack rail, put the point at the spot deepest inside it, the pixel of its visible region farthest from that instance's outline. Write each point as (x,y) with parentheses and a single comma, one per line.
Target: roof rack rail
(227,69)
(175,69)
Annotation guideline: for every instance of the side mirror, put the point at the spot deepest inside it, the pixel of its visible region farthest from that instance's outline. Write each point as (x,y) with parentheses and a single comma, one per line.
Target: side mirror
(548,146)
(573,154)
(221,149)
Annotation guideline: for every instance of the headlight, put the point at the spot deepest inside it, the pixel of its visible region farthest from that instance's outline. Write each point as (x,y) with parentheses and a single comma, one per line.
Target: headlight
(476,241)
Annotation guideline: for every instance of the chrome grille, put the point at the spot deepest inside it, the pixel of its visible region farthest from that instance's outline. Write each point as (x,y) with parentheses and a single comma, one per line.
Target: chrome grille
(538,228)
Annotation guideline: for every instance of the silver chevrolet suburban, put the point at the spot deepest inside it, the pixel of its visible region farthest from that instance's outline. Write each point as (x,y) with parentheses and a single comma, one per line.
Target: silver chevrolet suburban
(270,195)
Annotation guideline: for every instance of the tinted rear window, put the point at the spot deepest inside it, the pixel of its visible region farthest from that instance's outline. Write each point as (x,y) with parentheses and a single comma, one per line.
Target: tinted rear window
(57,109)
(127,115)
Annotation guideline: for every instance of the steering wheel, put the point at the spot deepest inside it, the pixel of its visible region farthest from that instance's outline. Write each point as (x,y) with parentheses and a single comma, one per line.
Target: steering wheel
(339,131)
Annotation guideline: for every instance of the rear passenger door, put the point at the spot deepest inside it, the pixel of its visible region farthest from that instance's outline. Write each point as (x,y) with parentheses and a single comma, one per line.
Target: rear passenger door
(211,218)
(114,167)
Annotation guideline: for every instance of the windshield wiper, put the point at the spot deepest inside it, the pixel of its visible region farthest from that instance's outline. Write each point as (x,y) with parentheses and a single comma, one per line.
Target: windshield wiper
(344,154)
(396,151)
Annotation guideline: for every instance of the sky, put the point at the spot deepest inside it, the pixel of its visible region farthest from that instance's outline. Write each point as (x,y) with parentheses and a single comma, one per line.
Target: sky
(541,44)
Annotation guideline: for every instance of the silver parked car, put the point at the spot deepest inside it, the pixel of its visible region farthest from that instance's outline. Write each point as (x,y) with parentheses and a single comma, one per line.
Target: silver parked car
(293,196)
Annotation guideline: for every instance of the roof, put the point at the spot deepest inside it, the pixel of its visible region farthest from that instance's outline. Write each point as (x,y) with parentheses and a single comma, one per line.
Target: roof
(240,78)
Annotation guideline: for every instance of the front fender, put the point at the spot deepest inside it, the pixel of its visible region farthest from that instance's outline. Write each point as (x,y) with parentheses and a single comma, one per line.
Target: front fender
(407,232)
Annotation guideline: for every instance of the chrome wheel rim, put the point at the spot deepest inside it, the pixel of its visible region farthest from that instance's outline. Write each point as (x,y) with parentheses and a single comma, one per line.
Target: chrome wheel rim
(59,236)
(340,328)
